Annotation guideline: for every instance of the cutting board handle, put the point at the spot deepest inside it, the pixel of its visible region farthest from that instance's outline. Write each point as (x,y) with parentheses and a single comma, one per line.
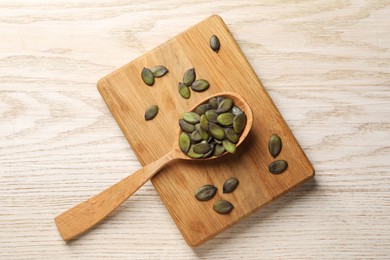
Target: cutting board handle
(87,214)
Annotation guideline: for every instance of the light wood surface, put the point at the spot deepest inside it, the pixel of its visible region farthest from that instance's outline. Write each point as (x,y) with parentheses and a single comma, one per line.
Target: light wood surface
(326,65)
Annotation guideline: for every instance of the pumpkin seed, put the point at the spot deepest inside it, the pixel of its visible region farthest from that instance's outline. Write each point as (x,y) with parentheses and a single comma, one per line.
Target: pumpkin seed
(211,116)
(159,71)
(209,153)
(230,185)
(206,192)
(204,123)
(191,117)
(214,43)
(229,146)
(151,112)
(220,99)
(219,149)
(202,148)
(274,145)
(194,155)
(216,131)
(225,119)
(147,76)
(231,135)
(202,132)
(239,123)
(200,85)
(225,105)
(184,142)
(200,110)
(184,90)
(236,110)
(222,207)
(195,136)
(278,166)
(189,77)
(213,102)
(186,127)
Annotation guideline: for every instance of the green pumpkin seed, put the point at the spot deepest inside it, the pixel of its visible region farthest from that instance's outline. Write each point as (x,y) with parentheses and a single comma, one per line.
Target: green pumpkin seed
(225,119)
(147,76)
(184,90)
(209,153)
(229,146)
(151,112)
(194,155)
(202,132)
(219,149)
(274,145)
(200,85)
(186,127)
(200,110)
(230,185)
(278,166)
(239,123)
(213,102)
(206,192)
(214,43)
(195,136)
(231,135)
(220,99)
(211,116)
(189,77)
(222,207)
(225,105)
(236,110)
(216,131)
(202,148)
(204,123)
(184,142)
(159,71)
(191,117)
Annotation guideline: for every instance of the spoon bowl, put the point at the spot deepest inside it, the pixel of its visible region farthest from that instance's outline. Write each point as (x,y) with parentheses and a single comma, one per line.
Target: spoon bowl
(81,218)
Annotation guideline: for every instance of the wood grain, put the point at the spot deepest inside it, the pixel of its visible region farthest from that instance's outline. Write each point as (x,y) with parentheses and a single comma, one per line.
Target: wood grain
(326,65)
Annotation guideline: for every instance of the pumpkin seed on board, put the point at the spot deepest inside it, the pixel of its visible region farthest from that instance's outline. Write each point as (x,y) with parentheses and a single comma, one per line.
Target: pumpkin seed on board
(159,71)
(200,85)
(147,76)
(151,112)
(206,192)
(189,77)
(230,185)
(278,166)
(214,43)
(184,90)
(223,207)
(274,145)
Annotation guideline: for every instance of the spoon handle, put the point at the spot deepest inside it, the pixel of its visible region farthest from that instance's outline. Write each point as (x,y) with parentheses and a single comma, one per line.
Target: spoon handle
(87,214)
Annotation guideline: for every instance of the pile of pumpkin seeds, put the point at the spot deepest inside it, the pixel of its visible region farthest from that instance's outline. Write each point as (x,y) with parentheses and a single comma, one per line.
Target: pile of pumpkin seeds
(189,80)
(213,128)
(275,147)
(148,75)
(208,191)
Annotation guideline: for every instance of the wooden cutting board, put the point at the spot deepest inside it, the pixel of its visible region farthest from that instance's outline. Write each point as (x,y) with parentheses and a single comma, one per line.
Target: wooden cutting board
(127,96)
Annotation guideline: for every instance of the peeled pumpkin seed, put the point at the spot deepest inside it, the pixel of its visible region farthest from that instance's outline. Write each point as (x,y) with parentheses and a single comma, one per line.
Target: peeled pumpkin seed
(184,90)
(194,155)
(209,153)
(219,149)
(200,85)
(225,119)
(200,110)
(213,102)
(147,76)
(186,127)
(222,207)
(278,166)
(220,99)
(216,131)
(239,123)
(206,192)
(191,117)
(204,123)
(202,132)
(211,116)
(231,135)
(225,105)
(214,43)
(195,136)
(151,112)
(229,146)
(184,142)
(189,77)
(202,148)
(159,71)
(274,145)
(230,185)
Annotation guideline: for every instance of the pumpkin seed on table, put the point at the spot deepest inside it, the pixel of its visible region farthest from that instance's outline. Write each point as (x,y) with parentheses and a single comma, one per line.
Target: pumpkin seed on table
(200,85)
(239,122)
(191,117)
(184,90)
(184,142)
(278,166)
(223,207)
(147,76)
(206,192)
(230,185)
(159,71)
(189,77)
(214,43)
(274,145)
(151,112)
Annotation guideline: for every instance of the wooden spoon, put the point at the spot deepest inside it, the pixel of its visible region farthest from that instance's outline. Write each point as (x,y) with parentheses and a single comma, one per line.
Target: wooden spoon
(87,214)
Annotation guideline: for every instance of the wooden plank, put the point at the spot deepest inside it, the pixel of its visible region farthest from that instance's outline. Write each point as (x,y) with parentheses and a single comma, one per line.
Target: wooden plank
(228,70)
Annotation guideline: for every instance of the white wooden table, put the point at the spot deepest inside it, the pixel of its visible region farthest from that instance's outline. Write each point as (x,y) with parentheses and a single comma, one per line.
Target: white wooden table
(326,64)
